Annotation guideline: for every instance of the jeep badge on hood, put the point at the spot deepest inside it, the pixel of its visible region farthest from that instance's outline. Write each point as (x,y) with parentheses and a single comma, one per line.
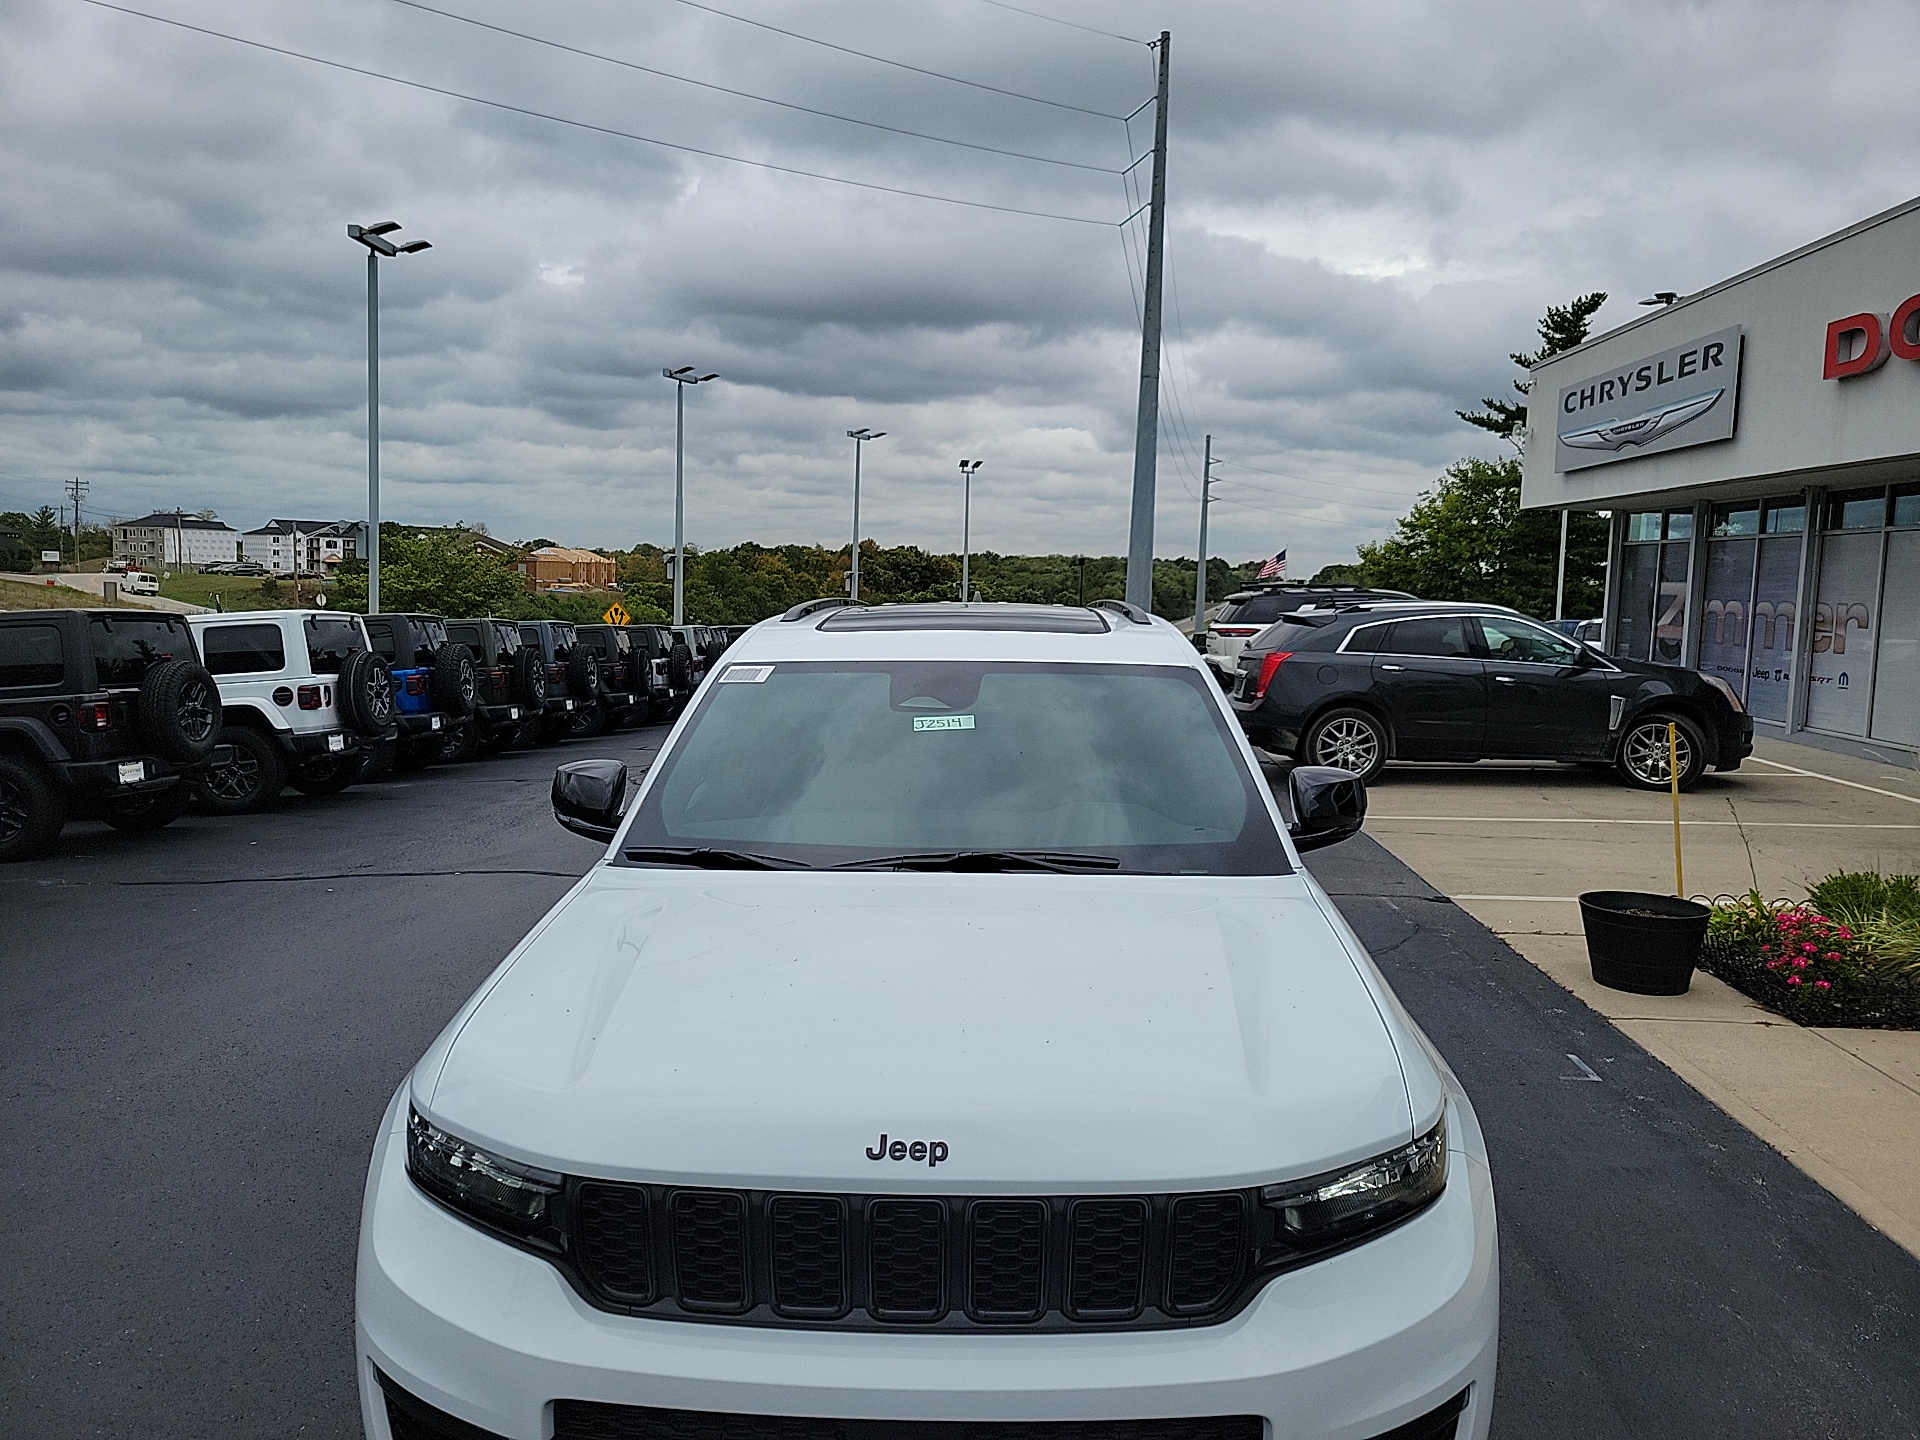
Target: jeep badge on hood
(931,1151)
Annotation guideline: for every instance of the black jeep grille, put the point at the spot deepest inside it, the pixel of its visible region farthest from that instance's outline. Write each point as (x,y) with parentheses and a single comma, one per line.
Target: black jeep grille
(887,1262)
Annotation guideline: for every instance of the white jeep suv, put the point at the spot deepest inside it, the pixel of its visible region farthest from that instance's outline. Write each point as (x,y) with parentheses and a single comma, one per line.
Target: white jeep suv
(300,693)
(948,1046)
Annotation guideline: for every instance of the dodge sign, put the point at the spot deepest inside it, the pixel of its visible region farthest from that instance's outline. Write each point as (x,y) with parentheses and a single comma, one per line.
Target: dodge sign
(1680,397)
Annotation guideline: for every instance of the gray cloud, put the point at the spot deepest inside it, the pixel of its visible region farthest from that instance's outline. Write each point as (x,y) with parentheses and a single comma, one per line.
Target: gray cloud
(1372,204)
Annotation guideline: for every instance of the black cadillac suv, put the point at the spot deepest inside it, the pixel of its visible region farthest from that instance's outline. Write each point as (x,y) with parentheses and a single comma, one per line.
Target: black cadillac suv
(1360,684)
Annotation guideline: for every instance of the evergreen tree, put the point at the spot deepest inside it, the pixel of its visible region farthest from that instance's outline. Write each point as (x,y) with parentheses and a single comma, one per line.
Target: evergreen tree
(1564,327)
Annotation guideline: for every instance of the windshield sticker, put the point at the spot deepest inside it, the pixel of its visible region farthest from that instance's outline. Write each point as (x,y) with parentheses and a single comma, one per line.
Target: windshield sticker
(943,722)
(745,674)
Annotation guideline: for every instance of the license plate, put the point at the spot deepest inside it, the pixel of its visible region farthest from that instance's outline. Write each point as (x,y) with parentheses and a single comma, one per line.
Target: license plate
(513,712)
(569,704)
(436,722)
(336,743)
(132,772)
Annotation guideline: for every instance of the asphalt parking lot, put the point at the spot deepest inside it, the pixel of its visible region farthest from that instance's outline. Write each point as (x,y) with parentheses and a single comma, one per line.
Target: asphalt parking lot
(198,1032)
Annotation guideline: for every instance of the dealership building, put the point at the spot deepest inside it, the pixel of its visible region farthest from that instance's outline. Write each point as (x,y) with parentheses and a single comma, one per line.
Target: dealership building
(1758,445)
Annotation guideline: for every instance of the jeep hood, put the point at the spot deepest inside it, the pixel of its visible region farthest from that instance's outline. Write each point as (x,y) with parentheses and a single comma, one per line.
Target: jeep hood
(1052,1032)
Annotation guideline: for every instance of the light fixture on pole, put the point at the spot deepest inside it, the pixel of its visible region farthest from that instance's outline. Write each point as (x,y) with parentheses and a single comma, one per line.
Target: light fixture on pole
(859,438)
(967,469)
(682,378)
(374,237)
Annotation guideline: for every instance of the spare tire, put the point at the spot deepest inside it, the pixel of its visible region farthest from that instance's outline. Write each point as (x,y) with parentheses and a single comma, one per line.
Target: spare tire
(456,688)
(583,673)
(179,711)
(366,693)
(530,677)
(680,666)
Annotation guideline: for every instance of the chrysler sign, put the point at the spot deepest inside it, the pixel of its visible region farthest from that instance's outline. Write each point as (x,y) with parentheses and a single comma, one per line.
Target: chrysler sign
(1680,397)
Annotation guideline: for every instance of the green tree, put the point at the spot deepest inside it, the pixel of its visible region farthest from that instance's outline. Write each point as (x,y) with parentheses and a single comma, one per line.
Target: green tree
(1563,327)
(1470,540)
(435,572)
(1339,575)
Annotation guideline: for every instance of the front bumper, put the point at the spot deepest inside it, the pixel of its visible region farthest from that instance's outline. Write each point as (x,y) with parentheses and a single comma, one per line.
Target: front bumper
(1346,1349)
(1736,743)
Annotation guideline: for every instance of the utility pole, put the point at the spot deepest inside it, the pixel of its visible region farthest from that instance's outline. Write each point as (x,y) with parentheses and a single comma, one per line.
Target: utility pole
(682,378)
(77,488)
(967,471)
(1200,579)
(1560,580)
(859,438)
(1146,446)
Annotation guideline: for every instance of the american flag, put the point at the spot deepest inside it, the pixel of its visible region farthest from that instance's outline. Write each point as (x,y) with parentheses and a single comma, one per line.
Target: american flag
(1274,569)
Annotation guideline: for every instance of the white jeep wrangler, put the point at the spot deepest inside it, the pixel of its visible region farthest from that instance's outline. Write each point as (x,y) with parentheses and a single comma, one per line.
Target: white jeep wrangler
(301,693)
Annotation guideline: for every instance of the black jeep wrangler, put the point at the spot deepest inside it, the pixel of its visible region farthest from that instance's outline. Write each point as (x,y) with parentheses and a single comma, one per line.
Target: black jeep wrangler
(513,684)
(573,675)
(104,714)
(624,675)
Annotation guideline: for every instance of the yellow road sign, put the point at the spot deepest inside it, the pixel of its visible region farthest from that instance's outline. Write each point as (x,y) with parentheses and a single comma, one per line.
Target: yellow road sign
(617,614)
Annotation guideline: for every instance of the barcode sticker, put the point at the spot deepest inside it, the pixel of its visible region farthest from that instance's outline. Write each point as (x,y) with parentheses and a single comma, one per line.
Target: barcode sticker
(943,722)
(745,674)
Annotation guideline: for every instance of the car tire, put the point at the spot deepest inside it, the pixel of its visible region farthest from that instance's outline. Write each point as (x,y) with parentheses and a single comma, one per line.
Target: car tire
(153,811)
(530,677)
(583,673)
(366,693)
(1347,739)
(456,686)
(376,762)
(250,783)
(680,666)
(1642,762)
(583,722)
(325,774)
(179,711)
(32,809)
(460,744)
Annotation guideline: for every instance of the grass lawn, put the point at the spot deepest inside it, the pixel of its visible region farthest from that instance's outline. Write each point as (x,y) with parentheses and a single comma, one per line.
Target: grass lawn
(234,592)
(18,595)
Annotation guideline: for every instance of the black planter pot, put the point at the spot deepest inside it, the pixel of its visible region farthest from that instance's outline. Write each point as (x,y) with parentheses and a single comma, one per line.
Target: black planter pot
(1645,944)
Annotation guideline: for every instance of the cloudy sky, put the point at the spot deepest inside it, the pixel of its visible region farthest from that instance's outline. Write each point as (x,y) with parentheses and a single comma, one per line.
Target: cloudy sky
(1371,203)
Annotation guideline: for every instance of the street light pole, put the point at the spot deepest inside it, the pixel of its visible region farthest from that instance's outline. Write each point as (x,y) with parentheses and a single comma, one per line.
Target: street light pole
(374,238)
(859,438)
(682,378)
(967,471)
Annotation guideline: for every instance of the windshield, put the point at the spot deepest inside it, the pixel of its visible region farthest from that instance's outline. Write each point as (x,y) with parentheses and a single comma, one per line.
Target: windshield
(828,763)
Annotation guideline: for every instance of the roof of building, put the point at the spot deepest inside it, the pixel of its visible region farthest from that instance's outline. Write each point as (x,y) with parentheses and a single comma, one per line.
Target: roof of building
(562,552)
(306,527)
(172,520)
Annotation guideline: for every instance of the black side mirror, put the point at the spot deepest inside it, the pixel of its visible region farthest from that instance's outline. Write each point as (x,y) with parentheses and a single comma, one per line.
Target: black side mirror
(1329,806)
(589,796)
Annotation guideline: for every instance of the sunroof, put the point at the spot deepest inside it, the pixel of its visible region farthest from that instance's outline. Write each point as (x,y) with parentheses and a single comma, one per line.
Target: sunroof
(1046,619)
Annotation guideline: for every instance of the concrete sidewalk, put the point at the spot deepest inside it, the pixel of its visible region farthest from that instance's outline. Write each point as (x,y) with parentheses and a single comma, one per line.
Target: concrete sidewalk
(1514,845)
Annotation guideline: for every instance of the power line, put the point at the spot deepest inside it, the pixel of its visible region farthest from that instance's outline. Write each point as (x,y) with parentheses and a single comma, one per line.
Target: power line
(1303,480)
(1070,24)
(748,94)
(585,125)
(898,64)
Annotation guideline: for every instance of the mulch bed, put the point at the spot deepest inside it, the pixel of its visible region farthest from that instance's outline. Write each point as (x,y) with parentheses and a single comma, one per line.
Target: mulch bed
(1870,1005)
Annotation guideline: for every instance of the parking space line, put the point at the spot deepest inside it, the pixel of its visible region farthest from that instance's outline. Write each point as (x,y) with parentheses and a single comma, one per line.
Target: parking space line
(1585,820)
(1836,780)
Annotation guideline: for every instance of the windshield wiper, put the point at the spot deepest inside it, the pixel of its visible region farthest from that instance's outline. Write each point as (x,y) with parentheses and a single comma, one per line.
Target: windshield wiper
(704,859)
(1061,862)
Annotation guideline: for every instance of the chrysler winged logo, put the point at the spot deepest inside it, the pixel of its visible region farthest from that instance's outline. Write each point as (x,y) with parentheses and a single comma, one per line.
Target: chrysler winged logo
(1644,428)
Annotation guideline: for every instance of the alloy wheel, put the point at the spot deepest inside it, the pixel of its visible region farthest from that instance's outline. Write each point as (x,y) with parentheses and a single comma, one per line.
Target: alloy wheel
(1347,743)
(198,715)
(1644,752)
(234,782)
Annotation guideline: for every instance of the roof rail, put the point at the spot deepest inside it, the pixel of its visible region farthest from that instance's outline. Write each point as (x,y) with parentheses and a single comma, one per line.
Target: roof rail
(1121,607)
(814,607)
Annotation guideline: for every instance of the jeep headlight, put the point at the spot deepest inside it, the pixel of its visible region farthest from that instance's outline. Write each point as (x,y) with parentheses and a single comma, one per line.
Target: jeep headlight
(1350,1204)
(485,1188)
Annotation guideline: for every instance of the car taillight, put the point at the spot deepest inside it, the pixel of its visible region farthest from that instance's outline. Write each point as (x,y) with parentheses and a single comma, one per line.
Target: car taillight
(556,672)
(1238,632)
(1269,667)
(96,717)
(309,697)
(416,684)
(499,677)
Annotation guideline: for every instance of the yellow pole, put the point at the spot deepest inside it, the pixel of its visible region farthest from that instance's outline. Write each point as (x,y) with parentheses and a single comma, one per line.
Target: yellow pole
(1673,779)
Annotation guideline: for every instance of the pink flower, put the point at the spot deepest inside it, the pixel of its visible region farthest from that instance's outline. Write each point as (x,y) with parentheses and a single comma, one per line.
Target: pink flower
(1823,984)
(1793,979)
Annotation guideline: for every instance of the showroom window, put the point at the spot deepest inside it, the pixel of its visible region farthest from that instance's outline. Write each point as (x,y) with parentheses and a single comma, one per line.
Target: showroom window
(1864,668)
(1747,613)
(1654,583)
